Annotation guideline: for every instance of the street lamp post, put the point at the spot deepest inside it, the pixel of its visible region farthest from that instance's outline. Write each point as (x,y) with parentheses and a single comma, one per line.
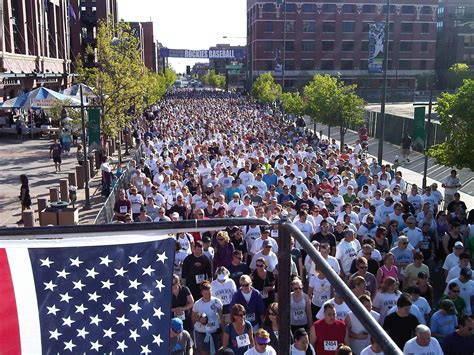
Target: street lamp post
(384,85)
(87,204)
(428,137)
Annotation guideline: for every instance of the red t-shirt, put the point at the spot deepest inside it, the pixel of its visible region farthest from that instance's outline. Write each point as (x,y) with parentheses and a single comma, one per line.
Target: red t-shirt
(328,336)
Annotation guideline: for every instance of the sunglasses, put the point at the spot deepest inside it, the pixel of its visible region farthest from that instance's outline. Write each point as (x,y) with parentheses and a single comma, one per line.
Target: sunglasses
(240,315)
(455,291)
(297,288)
(271,314)
(220,239)
(260,265)
(245,285)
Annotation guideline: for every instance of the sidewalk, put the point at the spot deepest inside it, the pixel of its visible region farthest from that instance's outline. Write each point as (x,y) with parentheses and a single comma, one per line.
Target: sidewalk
(413,171)
(31,157)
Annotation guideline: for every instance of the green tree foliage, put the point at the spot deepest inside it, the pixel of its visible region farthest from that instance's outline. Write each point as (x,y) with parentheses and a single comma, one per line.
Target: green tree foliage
(119,78)
(456,112)
(457,73)
(329,101)
(265,89)
(213,79)
(293,103)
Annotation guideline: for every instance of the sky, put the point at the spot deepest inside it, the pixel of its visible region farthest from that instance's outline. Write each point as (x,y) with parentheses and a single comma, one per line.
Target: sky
(189,24)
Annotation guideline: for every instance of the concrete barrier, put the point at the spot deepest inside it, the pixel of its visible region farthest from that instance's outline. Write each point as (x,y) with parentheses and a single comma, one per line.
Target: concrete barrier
(28,217)
(42,204)
(72,179)
(64,189)
(53,194)
(80,181)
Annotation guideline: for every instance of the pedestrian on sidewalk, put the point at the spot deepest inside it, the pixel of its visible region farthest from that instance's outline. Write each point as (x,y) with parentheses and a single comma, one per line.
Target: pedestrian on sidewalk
(25,198)
(80,154)
(55,151)
(406,145)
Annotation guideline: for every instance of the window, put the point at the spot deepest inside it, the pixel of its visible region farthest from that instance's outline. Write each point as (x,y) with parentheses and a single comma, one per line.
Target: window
(366,27)
(348,26)
(268,7)
(424,47)
(404,64)
(407,27)
(426,10)
(329,8)
(460,11)
(289,26)
(307,64)
(406,46)
(290,7)
(348,9)
(267,46)
(268,26)
(408,10)
(347,46)
(307,46)
(364,64)
(347,64)
(309,26)
(425,27)
(468,41)
(309,8)
(327,64)
(84,32)
(364,46)
(327,46)
(329,27)
(404,83)
(289,65)
(423,65)
(269,65)
(290,46)
(392,9)
(369,9)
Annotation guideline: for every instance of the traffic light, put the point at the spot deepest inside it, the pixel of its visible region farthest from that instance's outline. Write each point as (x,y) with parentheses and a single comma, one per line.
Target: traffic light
(188,70)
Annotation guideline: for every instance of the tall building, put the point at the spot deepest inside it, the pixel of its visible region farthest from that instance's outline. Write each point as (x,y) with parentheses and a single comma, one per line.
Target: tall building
(455,36)
(331,36)
(84,26)
(144,32)
(220,64)
(35,45)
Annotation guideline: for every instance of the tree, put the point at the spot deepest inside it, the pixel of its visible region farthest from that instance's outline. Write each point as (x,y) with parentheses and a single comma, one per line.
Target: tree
(293,103)
(329,101)
(457,73)
(213,79)
(456,112)
(265,89)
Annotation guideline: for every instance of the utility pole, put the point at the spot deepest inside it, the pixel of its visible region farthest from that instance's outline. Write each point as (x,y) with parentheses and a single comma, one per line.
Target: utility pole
(428,137)
(87,204)
(384,85)
(284,47)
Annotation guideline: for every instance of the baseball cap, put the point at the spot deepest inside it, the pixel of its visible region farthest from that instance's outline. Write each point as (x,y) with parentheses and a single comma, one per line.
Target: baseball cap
(448,306)
(327,195)
(466,272)
(300,178)
(266,243)
(206,239)
(176,325)
(458,245)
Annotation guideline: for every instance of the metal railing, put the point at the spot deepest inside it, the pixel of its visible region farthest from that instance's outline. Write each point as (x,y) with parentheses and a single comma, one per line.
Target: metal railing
(106,213)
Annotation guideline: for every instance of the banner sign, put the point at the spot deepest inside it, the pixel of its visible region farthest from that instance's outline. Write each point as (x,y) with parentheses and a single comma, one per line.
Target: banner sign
(418,135)
(94,128)
(203,54)
(376,47)
(278,61)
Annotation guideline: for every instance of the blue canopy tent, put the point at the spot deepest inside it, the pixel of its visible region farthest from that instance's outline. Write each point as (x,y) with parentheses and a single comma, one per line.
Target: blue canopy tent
(39,98)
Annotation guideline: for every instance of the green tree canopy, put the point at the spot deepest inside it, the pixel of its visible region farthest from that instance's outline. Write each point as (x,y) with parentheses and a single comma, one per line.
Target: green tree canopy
(293,103)
(213,79)
(456,112)
(329,101)
(457,73)
(265,89)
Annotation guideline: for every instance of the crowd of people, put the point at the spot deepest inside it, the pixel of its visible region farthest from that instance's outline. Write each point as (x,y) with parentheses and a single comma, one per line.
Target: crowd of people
(217,155)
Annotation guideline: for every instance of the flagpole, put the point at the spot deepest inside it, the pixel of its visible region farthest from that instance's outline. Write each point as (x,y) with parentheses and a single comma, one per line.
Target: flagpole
(87,204)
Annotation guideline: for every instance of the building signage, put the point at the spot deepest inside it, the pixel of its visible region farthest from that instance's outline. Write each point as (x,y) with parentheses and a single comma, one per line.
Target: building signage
(418,134)
(376,47)
(94,128)
(204,53)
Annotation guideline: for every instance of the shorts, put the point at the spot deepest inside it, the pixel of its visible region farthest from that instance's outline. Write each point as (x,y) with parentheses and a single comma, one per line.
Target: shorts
(201,345)
(57,160)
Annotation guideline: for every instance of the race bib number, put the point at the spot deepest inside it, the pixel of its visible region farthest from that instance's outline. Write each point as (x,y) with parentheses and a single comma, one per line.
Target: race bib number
(243,340)
(330,345)
(255,204)
(200,278)
(324,298)
(181,315)
(274,233)
(123,209)
(225,299)
(299,314)
(251,317)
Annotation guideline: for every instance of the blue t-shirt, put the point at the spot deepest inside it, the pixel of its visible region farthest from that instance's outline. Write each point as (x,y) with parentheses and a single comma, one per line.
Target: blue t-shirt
(443,323)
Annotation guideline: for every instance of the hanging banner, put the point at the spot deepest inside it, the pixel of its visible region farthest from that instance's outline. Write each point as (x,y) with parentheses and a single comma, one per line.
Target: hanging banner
(278,61)
(235,53)
(376,47)
(93,128)
(418,135)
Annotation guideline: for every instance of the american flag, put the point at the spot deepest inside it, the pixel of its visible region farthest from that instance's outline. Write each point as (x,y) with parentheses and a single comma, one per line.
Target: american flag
(86,295)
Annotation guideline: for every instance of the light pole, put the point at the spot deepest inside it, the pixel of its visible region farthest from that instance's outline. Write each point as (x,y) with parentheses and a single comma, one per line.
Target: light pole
(284,46)
(87,204)
(384,85)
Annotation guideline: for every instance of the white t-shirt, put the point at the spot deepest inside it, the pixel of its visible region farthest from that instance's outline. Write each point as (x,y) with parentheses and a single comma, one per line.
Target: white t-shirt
(414,235)
(321,290)
(137,202)
(455,272)
(414,310)
(467,290)
(224,291)
(294,351)
(258,243)
(185,242)
(271,259)
(341,310)
(306,228)
(384,301)
(369,351)
(331,260)
(211,309)
(346,252)
(450,261)
(412,348)
(268,351)
(251,234)
(423,305)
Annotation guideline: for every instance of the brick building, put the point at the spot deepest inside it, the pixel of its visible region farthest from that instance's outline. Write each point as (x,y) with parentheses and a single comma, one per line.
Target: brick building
(455,24)
(144,32)
(35,45)
(331,36)
(84,27)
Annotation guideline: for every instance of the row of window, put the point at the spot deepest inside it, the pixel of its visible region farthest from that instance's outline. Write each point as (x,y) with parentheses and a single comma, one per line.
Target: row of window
(346,9)
(345,27)
(344,64)
(346,46)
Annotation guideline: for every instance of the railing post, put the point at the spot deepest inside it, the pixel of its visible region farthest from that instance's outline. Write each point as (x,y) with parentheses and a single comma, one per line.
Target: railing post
(284,289)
